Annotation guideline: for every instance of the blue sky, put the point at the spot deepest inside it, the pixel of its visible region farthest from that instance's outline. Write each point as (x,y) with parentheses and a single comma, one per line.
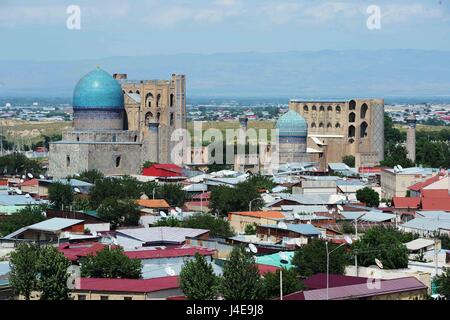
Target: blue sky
(36,29)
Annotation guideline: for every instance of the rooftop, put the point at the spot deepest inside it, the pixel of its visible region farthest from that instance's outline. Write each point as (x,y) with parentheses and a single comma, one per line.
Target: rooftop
(127,285)
(153,203)
(260,214)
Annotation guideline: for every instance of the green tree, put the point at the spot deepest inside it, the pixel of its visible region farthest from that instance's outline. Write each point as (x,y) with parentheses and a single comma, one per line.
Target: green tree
(261,182)
(348,228)
(24,269)
(218,227)
(349,160)
(250,229)
(271,283)
(197,279)
(241,280)
(368,196)
(119,212)
(443,283)
(396,154)
(119,188)
(110,263)
(22,218)
(53,274)
(90,176)
(312,258)
(173,193)
(148,164)
(18,163)
(60,195)
(445,241)
(169,222)
(385,244)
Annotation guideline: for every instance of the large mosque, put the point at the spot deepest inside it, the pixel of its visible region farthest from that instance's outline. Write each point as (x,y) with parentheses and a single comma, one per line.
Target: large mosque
(115,130)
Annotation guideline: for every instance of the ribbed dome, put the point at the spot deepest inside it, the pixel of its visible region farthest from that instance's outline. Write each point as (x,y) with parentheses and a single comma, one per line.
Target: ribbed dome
(98,90)
(292,124)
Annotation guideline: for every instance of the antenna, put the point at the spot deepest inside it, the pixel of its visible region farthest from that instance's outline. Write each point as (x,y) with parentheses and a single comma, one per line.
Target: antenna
(252,248)
(169,271)
(379,263)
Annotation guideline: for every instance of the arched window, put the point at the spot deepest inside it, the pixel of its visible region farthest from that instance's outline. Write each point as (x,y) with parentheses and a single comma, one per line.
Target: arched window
(329,125)
(138,92)
(321,125)
(352,105)
(131,91)
(305,108)
(322,108)
(172,99)
(351,131)
(78,137)
(148,117)
(351,141)
(114,138)
(364,108)
(363,129)
(135,138)
(158,100)
(158,116)
(149,99)
(171,119)
(313,125)
(67,161)
(338,125)
(351,117)
(314,108)
(118,158)
(338,109)
(330,108)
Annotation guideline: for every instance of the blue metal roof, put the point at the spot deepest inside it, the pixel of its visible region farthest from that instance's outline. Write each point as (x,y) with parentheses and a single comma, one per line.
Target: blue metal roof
(304,228)
(292,124)
(98,90)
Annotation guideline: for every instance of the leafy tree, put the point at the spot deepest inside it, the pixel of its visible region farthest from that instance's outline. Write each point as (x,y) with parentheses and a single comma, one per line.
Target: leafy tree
(22,218)
(18,163)
(241,280)
(110,263)
(173,193)
(261,182)
(119,188)
(169,222)
(218,227)
(396,154)
(385,244)
(443,283)
(271,283)
(214,167)
(90,176)
(348,228)
(445,241)
(81,203)
(24,269)
(60,195)
(369,196)
(148,164)
(349,160)
(250,229)
(197,279)
(53,274)
(312,258)
(119,212)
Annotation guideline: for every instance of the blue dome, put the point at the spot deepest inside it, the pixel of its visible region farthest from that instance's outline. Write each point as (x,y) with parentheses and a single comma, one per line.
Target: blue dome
(98,90)
(292,124)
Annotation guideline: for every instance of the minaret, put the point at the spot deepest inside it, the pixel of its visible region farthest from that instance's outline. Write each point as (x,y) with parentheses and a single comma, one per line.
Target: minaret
(411,137)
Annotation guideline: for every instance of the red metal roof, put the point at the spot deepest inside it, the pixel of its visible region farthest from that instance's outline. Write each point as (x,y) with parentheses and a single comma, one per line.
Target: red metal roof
(168,253)
(205,195)
(264,268)
(319,281)
(406,202)
(436,193)
(163,170)
(30,183)
(75,251)
(436,204)
(420,185)
(127,285)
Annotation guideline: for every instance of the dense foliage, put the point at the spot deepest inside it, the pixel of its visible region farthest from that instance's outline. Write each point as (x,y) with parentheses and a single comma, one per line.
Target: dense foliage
(271,283)
(349,160)
(110,263)
(368,196)
(119,212)
(91,176)
(197,279)
(443,283)
(60,195)
(312,258)
(22,218)
(18,163)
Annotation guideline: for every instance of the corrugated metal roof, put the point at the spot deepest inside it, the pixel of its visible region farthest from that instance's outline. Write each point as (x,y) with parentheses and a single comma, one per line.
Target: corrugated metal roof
(303,228)
(156,234)
(372,216)
(418,244)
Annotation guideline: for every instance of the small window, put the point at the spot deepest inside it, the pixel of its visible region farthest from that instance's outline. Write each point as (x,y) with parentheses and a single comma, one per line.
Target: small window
(127,298)
(172,99)
(81,297)
(313,125)
(322,108)
(171,119)
(67,161)
(114,138)
(118,159)
(305,108)
(338,109)
(78,137)
(314,108)
(321,125)
(135,138)
(330,108)
(351,117)
(329,125)
(352,105)
(338,125)
(104,298)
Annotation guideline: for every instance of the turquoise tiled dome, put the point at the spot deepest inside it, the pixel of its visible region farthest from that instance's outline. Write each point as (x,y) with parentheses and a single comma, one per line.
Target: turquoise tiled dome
(292,124)
(98,90)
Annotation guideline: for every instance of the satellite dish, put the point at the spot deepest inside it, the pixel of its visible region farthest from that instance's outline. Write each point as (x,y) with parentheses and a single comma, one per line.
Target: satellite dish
(348,239)
(247,250)
(44,214)
(282,225)
(18,191)
(298,242)
(30,175)
(28,195)
(284,259)
(178,210)
(169,271)
(379,263)
(297,216)
(252,248)
(77,190)
(94,233)
(23,177)
(163,214)
(22,181)
(400,167)
(76,174)
(41,177)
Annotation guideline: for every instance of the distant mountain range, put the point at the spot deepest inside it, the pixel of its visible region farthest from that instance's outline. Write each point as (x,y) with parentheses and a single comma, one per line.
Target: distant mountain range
(305,74)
